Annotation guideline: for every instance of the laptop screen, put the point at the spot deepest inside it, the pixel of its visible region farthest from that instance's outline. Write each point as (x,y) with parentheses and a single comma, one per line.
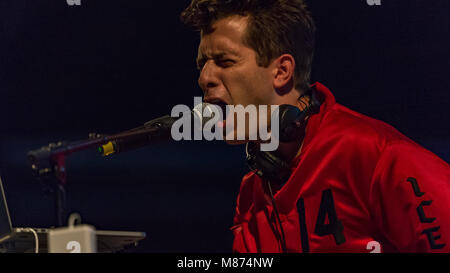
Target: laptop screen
(5,220)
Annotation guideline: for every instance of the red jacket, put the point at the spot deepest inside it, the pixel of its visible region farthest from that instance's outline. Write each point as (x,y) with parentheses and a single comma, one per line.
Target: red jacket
(358,186)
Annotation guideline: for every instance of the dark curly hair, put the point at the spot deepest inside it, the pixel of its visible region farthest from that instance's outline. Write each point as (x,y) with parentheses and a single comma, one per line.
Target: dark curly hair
(275,27)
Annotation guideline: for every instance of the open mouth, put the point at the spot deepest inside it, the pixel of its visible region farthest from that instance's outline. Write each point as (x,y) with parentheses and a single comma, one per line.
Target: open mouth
(221,104)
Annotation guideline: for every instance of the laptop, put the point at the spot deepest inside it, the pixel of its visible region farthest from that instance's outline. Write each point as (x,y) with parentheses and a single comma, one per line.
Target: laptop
(23,240)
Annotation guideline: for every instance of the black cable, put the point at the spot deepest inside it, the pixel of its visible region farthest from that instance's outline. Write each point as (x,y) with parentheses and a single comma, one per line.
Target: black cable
(275,209)
(305,105)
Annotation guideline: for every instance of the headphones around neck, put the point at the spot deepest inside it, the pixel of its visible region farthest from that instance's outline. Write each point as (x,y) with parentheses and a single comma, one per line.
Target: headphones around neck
(292,126)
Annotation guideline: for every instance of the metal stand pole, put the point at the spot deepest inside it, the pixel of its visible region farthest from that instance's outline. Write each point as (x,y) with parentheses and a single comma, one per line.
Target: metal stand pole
(60,205)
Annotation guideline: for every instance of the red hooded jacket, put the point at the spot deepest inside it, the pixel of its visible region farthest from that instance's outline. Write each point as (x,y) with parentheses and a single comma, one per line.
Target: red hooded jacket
(358,185)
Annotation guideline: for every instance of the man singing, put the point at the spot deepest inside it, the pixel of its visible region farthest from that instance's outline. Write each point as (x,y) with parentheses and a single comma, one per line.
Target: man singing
(354,184)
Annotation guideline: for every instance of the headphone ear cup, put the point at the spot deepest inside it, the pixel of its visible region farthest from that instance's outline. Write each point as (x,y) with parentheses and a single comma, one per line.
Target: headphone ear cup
(292,119)
(279,169)
(267,165)
(287,116)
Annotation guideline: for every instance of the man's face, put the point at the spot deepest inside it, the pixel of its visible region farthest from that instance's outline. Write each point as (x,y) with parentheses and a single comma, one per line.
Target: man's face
(229,73)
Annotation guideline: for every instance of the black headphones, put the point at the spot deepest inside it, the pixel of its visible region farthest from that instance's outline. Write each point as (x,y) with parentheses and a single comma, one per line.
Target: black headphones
(292,125)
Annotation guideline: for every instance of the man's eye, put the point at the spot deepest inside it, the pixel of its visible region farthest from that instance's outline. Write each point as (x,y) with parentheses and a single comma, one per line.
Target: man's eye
(225,63)
(200,65)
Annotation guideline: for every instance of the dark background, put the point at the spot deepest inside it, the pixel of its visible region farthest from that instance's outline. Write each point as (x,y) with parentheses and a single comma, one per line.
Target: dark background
(110,65)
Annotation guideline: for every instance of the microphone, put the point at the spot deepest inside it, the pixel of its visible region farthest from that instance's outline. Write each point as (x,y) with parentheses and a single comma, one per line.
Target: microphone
(155,131)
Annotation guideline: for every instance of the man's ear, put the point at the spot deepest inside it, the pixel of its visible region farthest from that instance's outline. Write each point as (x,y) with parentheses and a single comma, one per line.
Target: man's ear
(284,67)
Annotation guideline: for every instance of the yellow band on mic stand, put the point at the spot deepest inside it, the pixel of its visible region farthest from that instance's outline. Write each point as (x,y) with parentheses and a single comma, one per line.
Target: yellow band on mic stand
(107,149)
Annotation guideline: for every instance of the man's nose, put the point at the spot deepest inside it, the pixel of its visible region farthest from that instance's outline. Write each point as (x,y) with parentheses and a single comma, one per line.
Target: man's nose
(208,77)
